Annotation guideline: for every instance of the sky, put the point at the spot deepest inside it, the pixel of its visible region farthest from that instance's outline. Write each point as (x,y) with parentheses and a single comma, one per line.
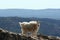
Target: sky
(29,4)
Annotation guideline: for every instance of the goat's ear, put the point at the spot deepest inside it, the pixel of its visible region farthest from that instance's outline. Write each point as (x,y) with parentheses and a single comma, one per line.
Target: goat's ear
(20,23)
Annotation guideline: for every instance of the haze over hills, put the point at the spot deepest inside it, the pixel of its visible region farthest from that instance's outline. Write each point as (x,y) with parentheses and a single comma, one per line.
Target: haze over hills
(50,19)
(43,13)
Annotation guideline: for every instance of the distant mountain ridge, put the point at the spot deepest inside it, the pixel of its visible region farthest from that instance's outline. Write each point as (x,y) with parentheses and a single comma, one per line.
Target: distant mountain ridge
(43,13)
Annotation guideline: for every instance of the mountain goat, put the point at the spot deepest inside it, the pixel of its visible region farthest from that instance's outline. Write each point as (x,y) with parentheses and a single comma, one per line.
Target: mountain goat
(30,27)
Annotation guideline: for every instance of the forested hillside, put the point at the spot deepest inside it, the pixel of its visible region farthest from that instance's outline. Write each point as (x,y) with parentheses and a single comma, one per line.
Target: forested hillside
(47,27)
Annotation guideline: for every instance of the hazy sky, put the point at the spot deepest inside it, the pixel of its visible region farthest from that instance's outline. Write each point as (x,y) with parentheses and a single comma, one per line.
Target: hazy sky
(29,4)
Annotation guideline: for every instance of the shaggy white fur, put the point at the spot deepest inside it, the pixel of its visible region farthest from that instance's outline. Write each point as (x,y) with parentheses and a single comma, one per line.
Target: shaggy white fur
(32,27)
(32,22)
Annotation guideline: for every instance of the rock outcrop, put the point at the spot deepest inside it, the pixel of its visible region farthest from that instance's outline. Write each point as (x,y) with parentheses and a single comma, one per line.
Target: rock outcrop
(7,35)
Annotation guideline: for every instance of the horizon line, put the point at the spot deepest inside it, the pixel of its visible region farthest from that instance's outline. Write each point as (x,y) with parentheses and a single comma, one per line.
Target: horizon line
(27,8)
